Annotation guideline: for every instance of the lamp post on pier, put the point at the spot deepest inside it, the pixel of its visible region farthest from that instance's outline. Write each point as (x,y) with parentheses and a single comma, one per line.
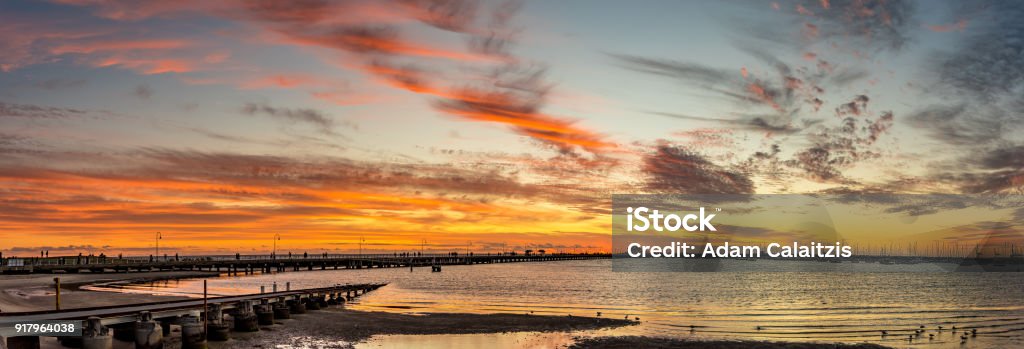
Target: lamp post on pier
(273,253)
(158,238)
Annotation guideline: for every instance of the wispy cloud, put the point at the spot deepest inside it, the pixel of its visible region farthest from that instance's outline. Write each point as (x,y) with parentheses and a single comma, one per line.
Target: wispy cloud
(15,110)
(313,117)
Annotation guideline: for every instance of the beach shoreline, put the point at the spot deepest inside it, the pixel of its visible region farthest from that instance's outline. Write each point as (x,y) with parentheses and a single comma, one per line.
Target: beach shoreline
(344,328)
(339,327)
(633,342)
(35,292)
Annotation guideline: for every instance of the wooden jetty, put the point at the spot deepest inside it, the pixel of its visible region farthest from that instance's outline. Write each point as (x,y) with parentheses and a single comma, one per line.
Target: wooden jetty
(148,323)
(248,264)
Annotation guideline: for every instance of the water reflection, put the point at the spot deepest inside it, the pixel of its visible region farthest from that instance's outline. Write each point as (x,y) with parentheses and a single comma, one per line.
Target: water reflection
(796,306)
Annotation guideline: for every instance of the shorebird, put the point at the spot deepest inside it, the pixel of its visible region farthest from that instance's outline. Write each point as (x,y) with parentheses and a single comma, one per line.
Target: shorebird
(931,336)
(974,332)
(637,318)
(885,333)
(598,314)
(758,328)
(922,326)
(940,328)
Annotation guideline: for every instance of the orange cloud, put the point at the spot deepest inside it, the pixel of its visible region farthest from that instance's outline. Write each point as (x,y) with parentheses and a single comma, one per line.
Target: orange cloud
(148,66)
(284,81)
(207,200)
(762,95)
(346,99)
(118,45)
(506,108)
(960,25)
(370,40)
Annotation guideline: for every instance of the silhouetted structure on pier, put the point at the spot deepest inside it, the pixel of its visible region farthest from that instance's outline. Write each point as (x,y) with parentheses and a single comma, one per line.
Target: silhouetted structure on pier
(238,264)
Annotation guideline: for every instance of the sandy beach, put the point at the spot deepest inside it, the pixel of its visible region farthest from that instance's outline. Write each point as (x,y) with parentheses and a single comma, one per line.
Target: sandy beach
(35,292)
(633,342)
(341,328)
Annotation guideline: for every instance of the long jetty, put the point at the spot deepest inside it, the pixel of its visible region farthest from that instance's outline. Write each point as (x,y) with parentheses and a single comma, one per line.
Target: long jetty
(249,264)
(147,324)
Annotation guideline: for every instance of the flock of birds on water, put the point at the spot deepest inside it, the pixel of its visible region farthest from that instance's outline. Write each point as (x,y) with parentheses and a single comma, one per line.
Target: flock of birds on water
(921,331)
(885,334)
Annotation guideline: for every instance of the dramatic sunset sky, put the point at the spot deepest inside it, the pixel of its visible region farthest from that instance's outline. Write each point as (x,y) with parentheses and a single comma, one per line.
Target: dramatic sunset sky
(502,124)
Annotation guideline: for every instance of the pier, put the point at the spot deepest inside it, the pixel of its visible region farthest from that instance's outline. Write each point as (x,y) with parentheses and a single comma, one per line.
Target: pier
(147,324)
(249,264)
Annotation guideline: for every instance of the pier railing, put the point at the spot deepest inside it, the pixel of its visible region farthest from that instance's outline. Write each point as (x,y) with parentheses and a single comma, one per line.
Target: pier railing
(265,263)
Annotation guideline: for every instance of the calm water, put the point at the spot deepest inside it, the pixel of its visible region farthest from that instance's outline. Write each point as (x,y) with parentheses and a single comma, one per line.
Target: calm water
(790,306)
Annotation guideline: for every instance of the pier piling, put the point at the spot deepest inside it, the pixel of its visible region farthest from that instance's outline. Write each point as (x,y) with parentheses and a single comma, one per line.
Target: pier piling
(281,309)
(264,315)
(244,317)
(192,336)
(312,304)
(216,329)
(297,307)
(23,342)
(96,336)
(148,333)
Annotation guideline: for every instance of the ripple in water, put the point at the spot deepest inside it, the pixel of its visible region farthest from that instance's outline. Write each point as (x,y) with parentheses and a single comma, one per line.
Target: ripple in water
(782,306)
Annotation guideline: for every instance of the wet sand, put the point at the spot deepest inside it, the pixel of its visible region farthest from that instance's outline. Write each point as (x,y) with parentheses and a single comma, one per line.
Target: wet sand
(34,292)
(340,328)
(633,342)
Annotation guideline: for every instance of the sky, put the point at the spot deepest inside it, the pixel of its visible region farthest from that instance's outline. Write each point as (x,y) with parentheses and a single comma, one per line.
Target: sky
(444,125)
(897,224)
